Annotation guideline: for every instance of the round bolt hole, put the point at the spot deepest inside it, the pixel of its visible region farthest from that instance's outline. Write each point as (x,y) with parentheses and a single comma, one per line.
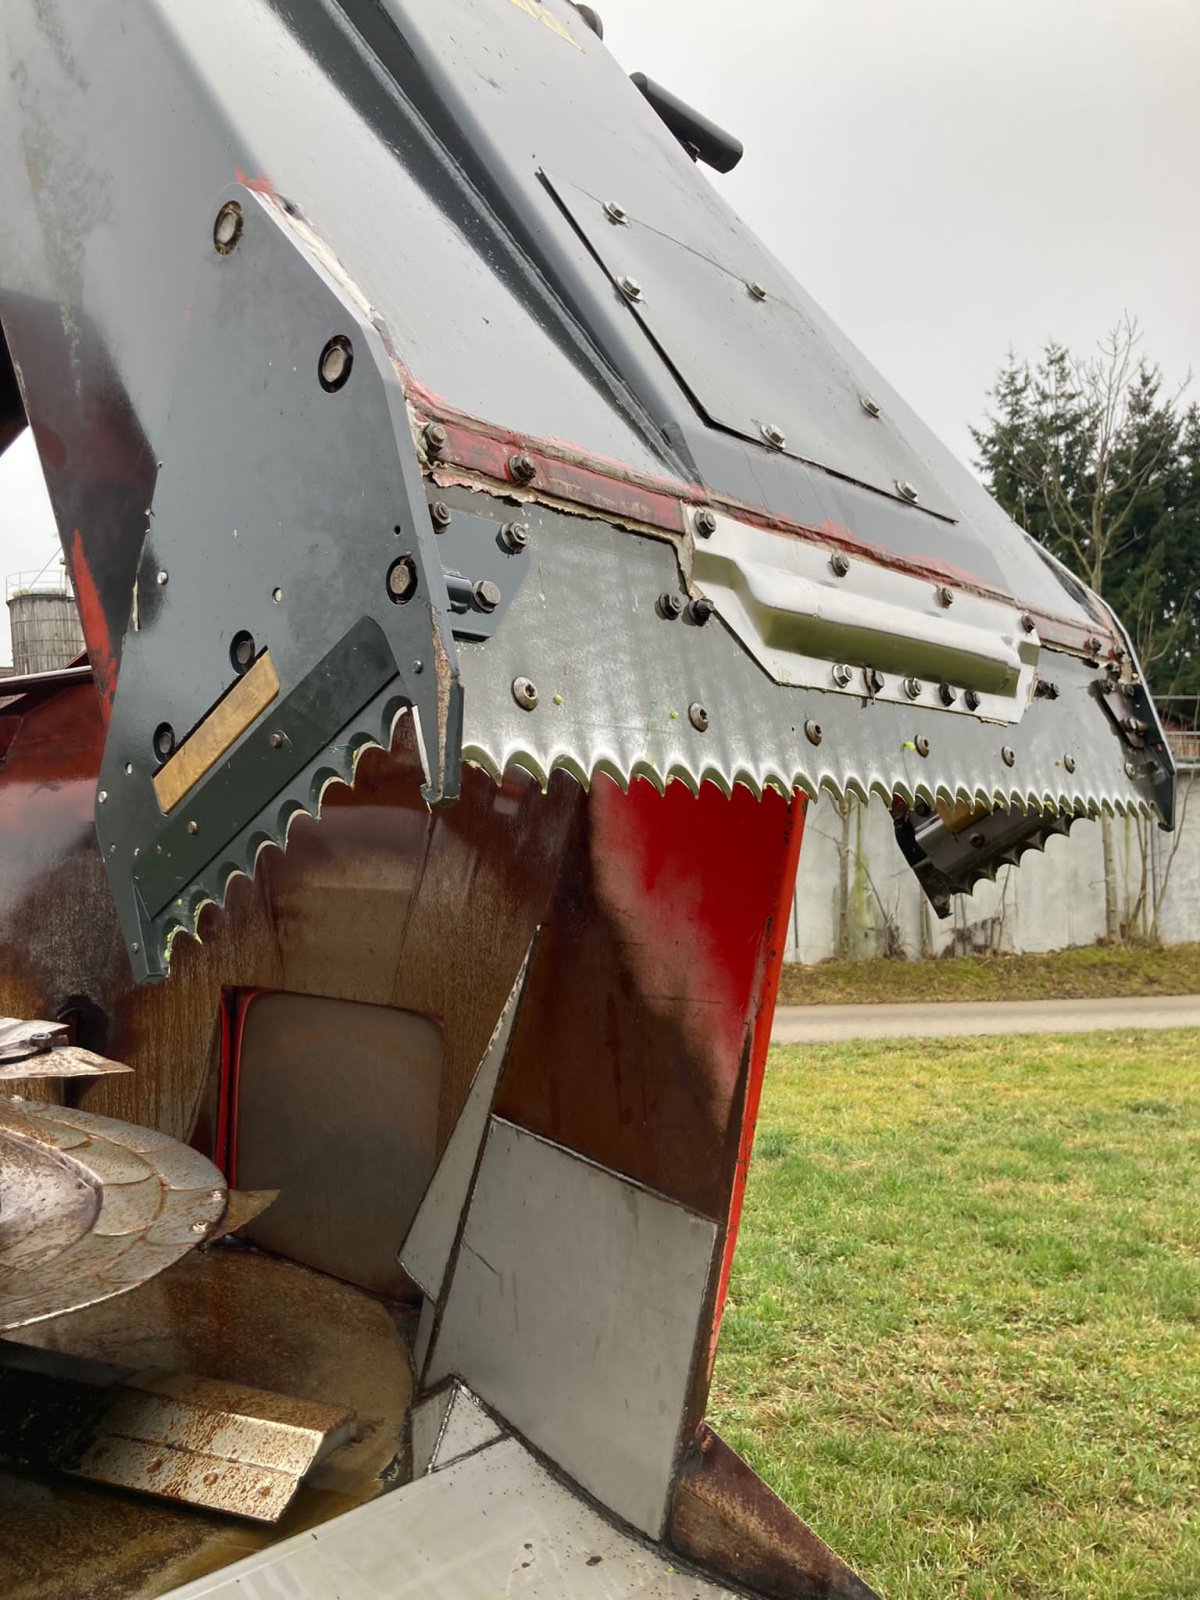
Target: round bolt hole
(698,717)
(402,580)
(164,740)
(813,733)
(241,651)
(525,694)
(337,358)
(978,841)
(227,229)
(906,491)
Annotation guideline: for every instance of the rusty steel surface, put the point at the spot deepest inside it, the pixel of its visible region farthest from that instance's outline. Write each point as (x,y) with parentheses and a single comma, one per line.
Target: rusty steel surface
(726,1519)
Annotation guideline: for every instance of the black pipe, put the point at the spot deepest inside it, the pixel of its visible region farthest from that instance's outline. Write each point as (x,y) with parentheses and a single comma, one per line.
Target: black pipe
(703,140)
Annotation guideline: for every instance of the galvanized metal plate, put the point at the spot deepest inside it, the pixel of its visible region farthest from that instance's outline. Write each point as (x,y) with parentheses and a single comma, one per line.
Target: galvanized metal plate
(299,528)
(494,1523)
(90,1207)
(447,1426)
(573,1309)
(750,355)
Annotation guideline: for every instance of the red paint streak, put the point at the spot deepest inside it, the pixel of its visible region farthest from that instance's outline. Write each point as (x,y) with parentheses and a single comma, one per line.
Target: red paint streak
(767,994)
(95,625)
(262,186)
(235,1005)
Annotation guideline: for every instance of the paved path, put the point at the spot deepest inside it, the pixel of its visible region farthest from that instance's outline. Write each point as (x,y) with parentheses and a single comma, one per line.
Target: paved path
(938,1019)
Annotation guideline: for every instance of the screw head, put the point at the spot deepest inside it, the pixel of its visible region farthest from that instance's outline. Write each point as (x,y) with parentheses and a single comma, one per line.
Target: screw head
(971,700)
(227,229)
(440,514)
(1008,755)
(1027,622)
(337,358)
(434,438)
(487,594)
(1069,763)
(670,605)
(521,468)
(839,563)
(525,694)
(162,577)
(705,522)
(699,611)
(842,675)
(616,214)
(193,826)
(947,693)
(514,536)
(276,741)
(812,732)
(698,717)
(945,595)
(402,580)
(773,435)
(756,290)
(871,407)
(912,687)
(906,491)
(630,288)
(921,745)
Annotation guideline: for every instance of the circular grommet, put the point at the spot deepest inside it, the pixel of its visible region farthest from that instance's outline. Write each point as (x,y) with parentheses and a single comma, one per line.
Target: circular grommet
(241,651)
(337,358)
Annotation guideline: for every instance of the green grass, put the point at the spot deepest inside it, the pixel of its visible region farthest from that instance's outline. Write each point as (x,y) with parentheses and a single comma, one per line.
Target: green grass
(1058,975)
(962,1331)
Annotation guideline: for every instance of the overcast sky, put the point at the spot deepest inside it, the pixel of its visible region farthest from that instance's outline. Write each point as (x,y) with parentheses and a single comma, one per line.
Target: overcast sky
(948,178)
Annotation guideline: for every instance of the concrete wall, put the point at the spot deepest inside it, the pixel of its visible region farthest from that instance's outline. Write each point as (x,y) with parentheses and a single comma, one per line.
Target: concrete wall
(854,885)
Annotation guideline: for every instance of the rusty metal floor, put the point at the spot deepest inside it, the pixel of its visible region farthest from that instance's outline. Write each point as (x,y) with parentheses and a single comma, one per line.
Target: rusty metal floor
(244,1318)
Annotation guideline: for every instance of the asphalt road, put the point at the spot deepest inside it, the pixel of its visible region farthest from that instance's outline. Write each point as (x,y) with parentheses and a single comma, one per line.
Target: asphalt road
(933,1019)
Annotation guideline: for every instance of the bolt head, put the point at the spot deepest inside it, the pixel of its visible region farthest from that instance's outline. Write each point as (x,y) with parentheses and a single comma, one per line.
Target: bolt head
(971,700)
(487,594)
(1027,623)
(871,407)
(162,577)
(227,229)
(699,611)
(812,732)
(1130,770)
(947,693)
(842,675)
(705,522)
(874,680)
(276,741)
(525,693)
(630,288)
(1008,755)
(906,491)
(756,290)
(193,826)
(514,536)
(521,468)
(839,563)
(773,435)
(921,744)
(1069,763)
(337,358)
(402,580)
(698,717)
(434,437)
(670,604)
(945,596)
(912,687)
(440,514)
(616,214)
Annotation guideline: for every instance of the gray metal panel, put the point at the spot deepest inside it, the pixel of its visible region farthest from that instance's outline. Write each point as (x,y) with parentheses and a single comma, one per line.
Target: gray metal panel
(573,1310)
(425,1253)
(449,1425)
(495,1523)
(337,1109)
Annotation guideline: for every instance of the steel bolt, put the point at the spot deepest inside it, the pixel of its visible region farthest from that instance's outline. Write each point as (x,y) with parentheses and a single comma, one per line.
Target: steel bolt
(906,491)
(842,675)
(1008,755)
(402,580)
(945,596)
(1130,770)
(947,693)
(514,536)
(525,694)
(630,288)
(812,732)
(276,741)
(670,604)
(336,360)
(1069,763)
(971,700)
(521,468)
(978,840)
(1095,645)
(705,522)
(487,594)
(241,651)
(756,290)
(162,577)
(434,437)
(698,717)
(616,213)
(874,679)
(164,740)
(227,229)
(699,611)
(921,744)
(773,435)
(912,687)
(193,826)
(871,407)
(840,564)
(1027,622)
(1044,689)
(440,515)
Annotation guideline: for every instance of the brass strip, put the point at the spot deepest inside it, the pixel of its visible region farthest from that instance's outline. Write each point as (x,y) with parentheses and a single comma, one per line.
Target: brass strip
(222,727)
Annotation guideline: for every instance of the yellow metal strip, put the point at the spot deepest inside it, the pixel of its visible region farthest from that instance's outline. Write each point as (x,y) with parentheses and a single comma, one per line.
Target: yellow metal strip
(224,724)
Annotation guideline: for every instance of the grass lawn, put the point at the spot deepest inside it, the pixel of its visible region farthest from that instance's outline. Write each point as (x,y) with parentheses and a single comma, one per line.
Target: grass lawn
(962,1331)
(1059,975)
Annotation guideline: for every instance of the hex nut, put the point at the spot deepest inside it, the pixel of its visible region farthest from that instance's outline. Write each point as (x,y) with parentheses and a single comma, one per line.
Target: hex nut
(514,536)
(487,594)
(1027,622)
(616,214)
(839,563)
(705,522)
(699,611)
(1069,763)
(756,290)
(630,288)
(521,468)
(440,514)
(947,693)
(773,435)
(525,693)
(670,605)
(970,699)
(912,687)
(434,438)
(842,675)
